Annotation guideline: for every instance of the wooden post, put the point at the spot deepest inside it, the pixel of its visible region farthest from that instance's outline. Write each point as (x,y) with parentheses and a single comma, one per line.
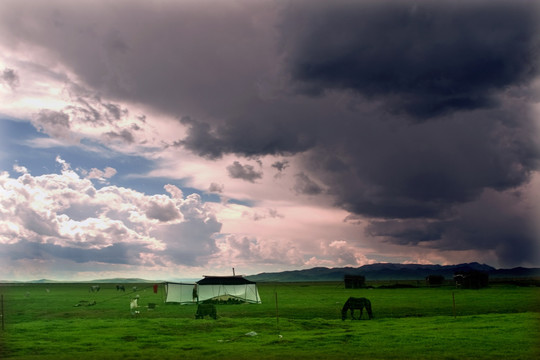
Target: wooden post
(277,313)
(453,304)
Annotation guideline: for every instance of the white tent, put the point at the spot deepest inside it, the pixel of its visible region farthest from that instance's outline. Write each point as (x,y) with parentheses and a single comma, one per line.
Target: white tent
(228,287)
(180,293)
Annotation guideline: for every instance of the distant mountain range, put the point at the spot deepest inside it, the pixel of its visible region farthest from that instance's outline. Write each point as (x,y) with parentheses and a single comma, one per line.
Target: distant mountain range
(372,272)
(99,281)
(389,271)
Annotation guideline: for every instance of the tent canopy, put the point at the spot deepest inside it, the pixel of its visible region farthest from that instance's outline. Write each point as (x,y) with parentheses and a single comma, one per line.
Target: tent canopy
(228,287)
(224,280)
(220,288)
(180,293)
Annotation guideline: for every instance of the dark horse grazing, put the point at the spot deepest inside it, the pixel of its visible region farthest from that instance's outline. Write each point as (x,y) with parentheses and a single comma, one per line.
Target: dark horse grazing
(356,304)
(206,309)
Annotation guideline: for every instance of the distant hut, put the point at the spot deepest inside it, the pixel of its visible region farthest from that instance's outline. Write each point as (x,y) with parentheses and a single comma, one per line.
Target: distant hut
(434,280)
(354,281)
(471,279)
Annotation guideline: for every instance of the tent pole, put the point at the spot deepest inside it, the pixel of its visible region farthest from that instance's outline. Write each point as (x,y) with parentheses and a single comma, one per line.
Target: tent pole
(2,315)
(277,313)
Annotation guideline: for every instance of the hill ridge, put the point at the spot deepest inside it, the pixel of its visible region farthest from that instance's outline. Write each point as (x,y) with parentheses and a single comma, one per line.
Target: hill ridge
(389,271)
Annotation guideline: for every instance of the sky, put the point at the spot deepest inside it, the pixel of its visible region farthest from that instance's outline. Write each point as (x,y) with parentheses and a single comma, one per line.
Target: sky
(175,139)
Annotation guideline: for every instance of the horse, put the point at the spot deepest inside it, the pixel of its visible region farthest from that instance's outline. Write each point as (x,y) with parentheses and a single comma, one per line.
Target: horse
(352,304)
(206,309)
(95,288)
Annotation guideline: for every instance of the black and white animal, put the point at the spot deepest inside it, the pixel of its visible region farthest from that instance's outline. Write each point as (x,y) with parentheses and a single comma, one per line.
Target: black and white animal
(120,287)
(206,309)
(356,304)
(95,288)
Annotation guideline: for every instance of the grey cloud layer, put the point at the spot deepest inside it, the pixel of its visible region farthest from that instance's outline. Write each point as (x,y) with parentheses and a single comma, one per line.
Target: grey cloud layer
(10,77)
(244,172)
(406,112)
(119,253)
(428,57)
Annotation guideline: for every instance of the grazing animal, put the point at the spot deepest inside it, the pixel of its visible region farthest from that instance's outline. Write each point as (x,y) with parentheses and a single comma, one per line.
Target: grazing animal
(133,305)
(206,309)
(95,288)
(120,287)
(356,304)
(85,303)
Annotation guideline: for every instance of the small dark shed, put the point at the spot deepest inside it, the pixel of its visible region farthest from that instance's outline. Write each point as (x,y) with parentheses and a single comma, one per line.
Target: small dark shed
(471,279)
(354,281)
(434,280)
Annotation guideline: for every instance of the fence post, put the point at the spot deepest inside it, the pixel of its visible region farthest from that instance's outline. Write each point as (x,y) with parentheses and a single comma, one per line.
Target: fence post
(277,313)
(453,304)
(2,310)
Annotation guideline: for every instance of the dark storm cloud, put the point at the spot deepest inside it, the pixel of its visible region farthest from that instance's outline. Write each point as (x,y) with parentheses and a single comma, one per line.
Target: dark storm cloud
(281,165)
(262,128)
(90,107)
(54,123)
(496,222)
(114,254)
(407,112)
(185,57)
(424,170)
(114,110)
(425,57)
(201,141)
(10,77)
(407,232)
(124,135)
(304,185)
(215,188)
(467,69)
(244,172)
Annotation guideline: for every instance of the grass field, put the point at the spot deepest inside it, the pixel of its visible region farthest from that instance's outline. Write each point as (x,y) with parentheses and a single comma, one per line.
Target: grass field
(499,322)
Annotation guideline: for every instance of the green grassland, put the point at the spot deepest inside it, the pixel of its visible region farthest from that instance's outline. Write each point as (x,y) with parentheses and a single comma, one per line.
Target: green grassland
(296,320)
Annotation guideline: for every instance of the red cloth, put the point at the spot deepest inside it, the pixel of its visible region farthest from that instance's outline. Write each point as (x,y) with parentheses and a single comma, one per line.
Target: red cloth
(155,288)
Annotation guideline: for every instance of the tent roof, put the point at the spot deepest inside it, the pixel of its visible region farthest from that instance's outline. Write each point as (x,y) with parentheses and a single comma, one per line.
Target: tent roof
(224,280)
